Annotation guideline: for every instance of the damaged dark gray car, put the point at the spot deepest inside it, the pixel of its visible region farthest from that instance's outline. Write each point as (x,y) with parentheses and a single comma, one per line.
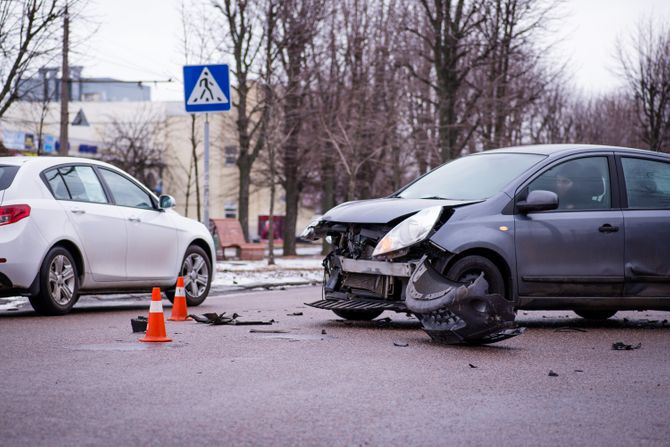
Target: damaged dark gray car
(578,227)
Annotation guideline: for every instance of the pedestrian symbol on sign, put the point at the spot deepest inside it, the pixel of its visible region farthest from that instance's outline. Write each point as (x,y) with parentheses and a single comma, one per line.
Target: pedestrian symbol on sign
(206,91)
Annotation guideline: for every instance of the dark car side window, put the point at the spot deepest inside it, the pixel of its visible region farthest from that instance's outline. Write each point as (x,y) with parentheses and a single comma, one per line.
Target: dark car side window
(647,183)
(581,184)
(77,183)
(126,192)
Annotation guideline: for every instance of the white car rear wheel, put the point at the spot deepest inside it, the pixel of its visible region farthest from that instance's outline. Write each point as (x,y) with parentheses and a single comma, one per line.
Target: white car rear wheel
(59,283)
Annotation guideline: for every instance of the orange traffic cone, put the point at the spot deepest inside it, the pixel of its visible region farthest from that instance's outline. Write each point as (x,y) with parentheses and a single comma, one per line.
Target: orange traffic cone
(179,309)
(156,324)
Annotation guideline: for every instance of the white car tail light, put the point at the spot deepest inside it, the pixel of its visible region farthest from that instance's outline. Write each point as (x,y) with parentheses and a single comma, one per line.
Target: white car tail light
(13,213)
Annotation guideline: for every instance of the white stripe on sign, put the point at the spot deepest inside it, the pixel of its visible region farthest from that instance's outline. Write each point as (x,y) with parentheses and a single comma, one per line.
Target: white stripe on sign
(179,291)
(156,306)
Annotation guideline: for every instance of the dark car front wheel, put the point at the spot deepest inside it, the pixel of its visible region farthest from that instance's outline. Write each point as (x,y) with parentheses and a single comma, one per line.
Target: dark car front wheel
(196,269)
(469,268)
(59,283)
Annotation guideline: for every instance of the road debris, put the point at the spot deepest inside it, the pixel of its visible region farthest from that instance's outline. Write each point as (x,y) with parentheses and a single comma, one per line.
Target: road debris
(294,314)
(620,346)
(383,321)
(139,324)
(323,332)
(552,373)
(221,319)
(268,331)
(400,344)
(456,313)
(569,329)
(472,366)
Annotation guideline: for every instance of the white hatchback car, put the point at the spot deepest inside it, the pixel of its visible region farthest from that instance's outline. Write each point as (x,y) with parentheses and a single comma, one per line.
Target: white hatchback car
(72,226)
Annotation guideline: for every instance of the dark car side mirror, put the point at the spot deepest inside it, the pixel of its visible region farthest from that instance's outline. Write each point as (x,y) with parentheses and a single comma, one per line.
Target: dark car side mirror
(538,200)
(165,202)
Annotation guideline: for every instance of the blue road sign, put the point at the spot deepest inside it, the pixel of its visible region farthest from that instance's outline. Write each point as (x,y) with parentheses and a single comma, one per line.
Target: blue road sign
(206,88)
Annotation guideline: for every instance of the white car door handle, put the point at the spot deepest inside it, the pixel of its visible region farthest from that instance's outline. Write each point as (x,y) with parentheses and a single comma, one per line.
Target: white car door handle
(135,219)
(78,211)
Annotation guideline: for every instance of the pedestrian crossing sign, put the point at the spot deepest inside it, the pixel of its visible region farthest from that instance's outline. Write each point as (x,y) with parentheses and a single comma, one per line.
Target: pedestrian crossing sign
(206,88)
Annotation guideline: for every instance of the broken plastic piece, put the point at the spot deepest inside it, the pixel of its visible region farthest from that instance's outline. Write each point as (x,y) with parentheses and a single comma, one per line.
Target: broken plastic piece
(139,324)
(620,346)
(221,319)
(453,312)
(552,373)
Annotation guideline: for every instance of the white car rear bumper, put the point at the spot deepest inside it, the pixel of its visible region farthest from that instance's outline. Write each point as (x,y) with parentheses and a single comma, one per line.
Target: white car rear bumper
(21,247)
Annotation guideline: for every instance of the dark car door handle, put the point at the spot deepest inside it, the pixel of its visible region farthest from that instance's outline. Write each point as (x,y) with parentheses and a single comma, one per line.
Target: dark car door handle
(607,228)
(78,211)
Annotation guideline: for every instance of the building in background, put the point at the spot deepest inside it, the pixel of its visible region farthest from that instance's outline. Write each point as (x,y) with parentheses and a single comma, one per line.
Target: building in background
(46,86)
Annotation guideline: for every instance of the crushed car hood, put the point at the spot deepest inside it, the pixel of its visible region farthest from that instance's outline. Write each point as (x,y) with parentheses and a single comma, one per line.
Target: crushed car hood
(381,211)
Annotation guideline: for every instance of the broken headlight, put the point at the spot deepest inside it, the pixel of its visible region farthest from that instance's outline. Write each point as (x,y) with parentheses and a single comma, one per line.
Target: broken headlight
(408,232)
(309,232)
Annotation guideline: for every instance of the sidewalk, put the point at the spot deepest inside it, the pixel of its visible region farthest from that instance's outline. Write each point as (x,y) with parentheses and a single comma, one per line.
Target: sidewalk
(233,275)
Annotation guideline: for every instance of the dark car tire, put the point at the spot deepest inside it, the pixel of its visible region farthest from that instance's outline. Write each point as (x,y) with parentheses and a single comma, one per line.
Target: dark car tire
(469,268)
(59,283)
(192,256)
(358,315)
(595,314)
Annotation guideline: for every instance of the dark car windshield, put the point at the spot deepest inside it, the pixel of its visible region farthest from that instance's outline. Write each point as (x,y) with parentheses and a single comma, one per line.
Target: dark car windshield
(475,177)
(7,174)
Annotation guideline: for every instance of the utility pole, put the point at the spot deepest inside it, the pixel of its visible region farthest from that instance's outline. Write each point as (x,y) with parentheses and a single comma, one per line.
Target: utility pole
(65,87)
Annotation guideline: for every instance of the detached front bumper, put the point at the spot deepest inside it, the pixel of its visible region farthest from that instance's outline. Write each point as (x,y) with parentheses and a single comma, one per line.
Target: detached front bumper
(453,312)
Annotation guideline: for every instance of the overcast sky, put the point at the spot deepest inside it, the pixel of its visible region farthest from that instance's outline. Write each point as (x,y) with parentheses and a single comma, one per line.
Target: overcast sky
(140,40)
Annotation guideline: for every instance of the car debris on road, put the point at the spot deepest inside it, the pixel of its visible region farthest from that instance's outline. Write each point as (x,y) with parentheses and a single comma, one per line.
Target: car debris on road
(221,319)
(620,346)
(454,313)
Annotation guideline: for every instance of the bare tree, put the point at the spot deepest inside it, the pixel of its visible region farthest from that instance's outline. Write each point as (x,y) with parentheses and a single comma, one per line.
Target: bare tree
(449,31)
(243,25)
(513,77)
(646,69)
(137,145)
(28,38)
(298,22)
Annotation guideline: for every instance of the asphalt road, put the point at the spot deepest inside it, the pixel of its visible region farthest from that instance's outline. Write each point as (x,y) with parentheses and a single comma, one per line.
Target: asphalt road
(84,379)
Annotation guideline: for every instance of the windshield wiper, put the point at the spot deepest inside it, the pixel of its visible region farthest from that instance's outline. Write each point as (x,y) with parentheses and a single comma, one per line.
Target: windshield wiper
(434,198)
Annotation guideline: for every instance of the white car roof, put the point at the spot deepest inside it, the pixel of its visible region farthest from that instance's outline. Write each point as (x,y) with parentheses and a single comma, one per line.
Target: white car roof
(45,162)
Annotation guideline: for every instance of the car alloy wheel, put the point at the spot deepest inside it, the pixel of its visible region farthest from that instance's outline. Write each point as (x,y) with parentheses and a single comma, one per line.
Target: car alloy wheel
(61,283)
(58,283)
(196,275)
(196,271)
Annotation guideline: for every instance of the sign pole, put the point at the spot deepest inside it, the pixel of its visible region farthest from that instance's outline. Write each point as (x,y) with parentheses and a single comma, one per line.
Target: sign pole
(206,185)
(206,89)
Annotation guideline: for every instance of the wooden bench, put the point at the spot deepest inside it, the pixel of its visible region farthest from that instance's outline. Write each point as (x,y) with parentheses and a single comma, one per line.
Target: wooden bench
(231,236)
